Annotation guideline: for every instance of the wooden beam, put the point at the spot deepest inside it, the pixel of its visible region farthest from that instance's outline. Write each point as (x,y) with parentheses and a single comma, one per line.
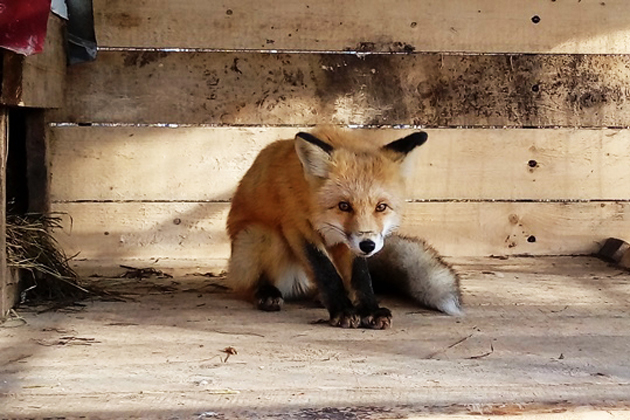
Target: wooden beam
(37,81)
(115,232)
(478,26)
(433,90)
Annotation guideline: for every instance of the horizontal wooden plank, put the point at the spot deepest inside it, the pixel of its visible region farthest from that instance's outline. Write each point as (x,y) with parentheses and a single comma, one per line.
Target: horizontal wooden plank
(205,164)
(122,231)
(115,232)
(538,26)
(433,90)
(37,81)
(148,163)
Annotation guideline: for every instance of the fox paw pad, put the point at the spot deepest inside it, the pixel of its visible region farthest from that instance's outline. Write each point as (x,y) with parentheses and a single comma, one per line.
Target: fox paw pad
(380,319)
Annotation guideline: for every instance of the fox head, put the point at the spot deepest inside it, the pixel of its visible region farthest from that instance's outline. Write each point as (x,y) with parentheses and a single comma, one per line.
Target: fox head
(358,187)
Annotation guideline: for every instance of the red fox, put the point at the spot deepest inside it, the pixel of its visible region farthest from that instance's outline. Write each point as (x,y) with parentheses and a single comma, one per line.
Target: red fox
(317,215)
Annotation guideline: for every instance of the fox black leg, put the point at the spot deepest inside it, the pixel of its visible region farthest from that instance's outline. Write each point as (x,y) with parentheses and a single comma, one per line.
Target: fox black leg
(333,293)
(372,315)
(268,297)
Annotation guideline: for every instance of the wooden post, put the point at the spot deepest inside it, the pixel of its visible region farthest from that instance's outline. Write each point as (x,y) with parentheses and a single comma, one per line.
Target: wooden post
(6,293)
(37,165)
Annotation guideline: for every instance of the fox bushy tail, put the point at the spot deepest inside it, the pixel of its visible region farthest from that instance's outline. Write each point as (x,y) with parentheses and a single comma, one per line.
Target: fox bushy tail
(411,267)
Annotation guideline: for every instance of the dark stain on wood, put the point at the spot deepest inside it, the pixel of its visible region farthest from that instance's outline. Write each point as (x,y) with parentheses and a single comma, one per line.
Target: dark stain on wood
(432,90)
(234,66)
(123,20)
(343,413)
(371,81)
(588,87)
(393,46)
(142,58)
(477,90)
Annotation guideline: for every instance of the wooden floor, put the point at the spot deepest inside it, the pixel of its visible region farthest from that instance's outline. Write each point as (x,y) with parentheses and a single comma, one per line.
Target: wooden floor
(542,338)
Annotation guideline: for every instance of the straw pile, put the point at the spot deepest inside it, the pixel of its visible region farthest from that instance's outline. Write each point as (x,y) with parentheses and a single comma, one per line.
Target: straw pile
(32,248)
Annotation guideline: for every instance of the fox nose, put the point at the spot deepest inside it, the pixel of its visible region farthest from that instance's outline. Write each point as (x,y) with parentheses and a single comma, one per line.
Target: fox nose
(367,246)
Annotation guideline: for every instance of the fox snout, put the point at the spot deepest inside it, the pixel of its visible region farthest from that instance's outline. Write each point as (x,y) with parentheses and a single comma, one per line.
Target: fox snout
(365,244)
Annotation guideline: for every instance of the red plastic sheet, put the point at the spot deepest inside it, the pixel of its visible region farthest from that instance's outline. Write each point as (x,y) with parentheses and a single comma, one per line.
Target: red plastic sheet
(23,25)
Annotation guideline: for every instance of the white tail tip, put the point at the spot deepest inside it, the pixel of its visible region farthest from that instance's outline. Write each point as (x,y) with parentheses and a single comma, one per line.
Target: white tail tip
(450,306)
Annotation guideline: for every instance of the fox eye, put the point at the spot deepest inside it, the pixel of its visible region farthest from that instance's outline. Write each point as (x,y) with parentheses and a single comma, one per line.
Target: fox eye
(381,207)
(345,206)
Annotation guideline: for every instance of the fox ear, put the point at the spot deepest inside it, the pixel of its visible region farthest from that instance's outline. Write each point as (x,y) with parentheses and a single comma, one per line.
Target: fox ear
(314,154)
(397,150)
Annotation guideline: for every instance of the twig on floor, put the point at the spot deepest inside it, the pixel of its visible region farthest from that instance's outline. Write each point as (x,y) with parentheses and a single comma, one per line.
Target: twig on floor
(70,340)
(143,273)
(237,333)
(12,320)
(16,359)
(460,341)
(68,306)
(217,288)
(481,356)
(58,330)
(222,273)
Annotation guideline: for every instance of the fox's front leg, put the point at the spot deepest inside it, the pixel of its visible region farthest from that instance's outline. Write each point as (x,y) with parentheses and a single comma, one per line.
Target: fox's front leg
(333,293)
(372,315)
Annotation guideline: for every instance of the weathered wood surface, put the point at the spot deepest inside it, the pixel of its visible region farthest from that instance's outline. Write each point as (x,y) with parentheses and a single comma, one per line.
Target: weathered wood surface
(543,335)
(37,81)
(433,90)
(116,232)
(539,26)
(205,164)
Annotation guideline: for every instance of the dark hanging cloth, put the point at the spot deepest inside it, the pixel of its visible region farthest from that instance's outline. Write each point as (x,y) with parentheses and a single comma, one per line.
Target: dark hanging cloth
(81,36)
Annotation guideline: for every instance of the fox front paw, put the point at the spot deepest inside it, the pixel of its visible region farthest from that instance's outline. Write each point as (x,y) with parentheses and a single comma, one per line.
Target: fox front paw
(346,319)
(379,319)
(268,297)
(270,303)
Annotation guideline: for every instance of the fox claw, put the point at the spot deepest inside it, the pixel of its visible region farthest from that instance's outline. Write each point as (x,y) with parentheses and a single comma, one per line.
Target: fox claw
(346,320)
(380,319)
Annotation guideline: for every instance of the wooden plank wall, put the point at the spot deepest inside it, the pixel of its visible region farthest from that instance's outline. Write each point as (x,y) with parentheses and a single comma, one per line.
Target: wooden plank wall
(526,104)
